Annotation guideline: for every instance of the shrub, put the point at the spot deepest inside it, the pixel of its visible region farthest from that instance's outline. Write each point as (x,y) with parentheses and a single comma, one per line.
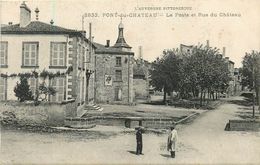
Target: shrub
(22,90)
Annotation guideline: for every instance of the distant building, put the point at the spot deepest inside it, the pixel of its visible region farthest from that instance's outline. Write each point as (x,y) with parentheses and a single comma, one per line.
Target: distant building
(186,49)
(35,46)
(141,77)
(237,81)
(114,71)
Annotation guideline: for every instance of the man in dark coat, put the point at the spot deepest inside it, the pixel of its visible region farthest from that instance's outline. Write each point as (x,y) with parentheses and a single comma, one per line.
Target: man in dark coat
(139,141)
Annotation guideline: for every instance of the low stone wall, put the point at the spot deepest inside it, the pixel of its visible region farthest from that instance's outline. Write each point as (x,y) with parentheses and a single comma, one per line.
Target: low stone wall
(129,122)
(80,122)
(51,114)
(158,123)
(244,125)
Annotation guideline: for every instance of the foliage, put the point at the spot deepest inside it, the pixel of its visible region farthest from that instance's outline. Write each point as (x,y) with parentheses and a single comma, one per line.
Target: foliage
(22,90)
(202,70)
(43,74)
(45,90)
(251,72)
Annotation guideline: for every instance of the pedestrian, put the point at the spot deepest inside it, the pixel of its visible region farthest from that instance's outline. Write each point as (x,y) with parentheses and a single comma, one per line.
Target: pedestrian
(139,141)
(172,141)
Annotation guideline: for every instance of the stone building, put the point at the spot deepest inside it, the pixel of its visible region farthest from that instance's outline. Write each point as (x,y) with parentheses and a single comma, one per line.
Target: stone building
(114,71)
(35,46)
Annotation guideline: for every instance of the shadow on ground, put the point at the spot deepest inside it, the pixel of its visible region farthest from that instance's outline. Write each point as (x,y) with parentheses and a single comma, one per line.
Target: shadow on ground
(132,152)
(244,102)
(166,155)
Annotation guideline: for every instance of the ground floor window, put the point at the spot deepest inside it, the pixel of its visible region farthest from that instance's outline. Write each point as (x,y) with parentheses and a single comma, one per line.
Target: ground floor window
(58,83)
(118,94)
(83,89)
(33,82)
(3,88)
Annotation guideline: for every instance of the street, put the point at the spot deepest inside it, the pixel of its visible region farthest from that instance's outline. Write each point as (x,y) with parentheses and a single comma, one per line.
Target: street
(202,141)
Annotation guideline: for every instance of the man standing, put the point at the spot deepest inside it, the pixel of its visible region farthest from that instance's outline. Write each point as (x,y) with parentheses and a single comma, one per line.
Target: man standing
(172,140)
(139,141)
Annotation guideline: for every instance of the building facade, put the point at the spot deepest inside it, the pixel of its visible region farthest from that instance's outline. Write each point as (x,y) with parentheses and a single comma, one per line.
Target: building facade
(114,71)
(61,54)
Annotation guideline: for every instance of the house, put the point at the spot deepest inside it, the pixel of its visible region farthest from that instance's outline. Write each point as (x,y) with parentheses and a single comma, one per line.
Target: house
(35,49)
(114,71)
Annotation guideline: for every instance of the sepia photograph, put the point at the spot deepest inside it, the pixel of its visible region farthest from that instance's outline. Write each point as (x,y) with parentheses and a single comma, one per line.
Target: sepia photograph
(129,82)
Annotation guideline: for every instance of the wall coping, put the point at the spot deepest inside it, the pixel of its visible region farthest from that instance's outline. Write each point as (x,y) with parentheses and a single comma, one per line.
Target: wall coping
(31,103)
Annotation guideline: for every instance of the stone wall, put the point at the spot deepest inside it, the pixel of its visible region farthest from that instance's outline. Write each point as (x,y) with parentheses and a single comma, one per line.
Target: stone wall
(244,125)
(129,122)
(141,88)
(51,114)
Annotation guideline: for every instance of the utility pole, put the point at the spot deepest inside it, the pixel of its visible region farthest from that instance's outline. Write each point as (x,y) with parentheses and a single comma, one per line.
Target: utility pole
(253,77)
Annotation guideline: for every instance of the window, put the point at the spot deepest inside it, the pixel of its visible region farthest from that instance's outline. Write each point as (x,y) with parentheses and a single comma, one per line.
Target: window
(58,54)
(83,57)
(3,88)
(118,75)
(83,90)
(118,94)
(58,83)
(3,54)
(118,61)
(33,85)
(30,54)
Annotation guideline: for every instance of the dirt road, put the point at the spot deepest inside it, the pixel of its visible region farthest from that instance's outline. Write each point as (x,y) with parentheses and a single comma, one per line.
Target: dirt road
(203,141)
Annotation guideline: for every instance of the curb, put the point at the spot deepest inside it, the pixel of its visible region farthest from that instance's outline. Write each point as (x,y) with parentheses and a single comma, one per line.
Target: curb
(180,121)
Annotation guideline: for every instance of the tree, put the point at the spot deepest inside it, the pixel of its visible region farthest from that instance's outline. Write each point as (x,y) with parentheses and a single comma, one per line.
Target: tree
(201,71)
(251,72)
(165,72)
(22,90)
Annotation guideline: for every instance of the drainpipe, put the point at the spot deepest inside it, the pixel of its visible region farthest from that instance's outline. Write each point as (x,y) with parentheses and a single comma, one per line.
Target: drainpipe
(129,79)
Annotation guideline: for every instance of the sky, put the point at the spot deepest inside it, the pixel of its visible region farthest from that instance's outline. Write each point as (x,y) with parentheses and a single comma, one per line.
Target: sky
(154,34)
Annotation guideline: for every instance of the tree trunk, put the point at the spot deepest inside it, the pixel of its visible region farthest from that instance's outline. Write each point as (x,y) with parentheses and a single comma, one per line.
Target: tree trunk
(164,96)
(171,93)
(201,97)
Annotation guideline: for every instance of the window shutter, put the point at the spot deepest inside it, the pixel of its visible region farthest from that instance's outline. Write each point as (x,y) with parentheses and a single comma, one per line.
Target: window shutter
(51,52)
(6,54)
(65,54)
(23,55)
(64,83)
(37,54)
(5,89)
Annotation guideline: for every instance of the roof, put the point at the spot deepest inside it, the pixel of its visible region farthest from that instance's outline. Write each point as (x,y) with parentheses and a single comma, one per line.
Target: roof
(102,49)
(138,71)
(120,42)
(37,27)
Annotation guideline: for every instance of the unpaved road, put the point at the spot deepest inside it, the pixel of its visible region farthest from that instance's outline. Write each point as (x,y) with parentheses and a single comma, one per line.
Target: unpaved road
(203,141)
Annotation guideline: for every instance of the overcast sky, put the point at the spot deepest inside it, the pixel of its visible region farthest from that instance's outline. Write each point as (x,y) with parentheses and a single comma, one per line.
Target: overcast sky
(237,34)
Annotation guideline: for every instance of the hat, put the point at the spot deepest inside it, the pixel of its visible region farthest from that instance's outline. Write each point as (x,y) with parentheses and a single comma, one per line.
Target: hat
(172,126)
(139,128)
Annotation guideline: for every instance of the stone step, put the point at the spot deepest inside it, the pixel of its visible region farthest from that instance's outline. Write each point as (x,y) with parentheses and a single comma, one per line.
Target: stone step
(93,108)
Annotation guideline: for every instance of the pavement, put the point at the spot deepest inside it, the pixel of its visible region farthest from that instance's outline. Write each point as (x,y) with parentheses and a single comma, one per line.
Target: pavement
(202,141)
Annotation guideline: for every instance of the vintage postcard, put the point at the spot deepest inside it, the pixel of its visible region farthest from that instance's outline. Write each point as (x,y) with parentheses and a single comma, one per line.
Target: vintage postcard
(130,82)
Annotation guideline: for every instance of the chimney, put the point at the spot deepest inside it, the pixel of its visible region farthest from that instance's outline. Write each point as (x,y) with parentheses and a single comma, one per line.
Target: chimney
(227,59)
(51,22)
(207,43)
(224,51)
(25,15)
(108,43)
(37,13)
(140,53)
